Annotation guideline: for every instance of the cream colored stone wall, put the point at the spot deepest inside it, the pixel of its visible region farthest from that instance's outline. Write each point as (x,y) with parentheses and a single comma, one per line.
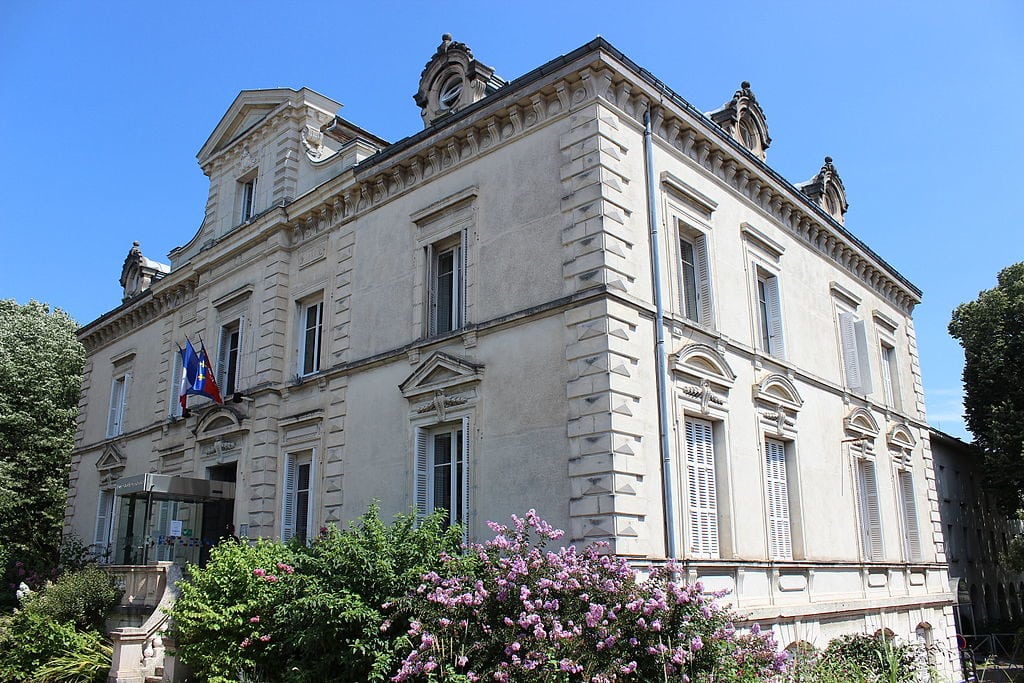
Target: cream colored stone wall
(554,366)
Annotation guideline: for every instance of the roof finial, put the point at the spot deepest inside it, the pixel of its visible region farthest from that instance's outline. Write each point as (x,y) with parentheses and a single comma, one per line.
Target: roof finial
(745,85)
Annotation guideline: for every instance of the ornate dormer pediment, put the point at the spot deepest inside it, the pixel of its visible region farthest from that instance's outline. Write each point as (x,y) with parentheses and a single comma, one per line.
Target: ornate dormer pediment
(742,118)
(778,403)
(253,107)
(827,191)
(452,80)
(139,272)
(110,465)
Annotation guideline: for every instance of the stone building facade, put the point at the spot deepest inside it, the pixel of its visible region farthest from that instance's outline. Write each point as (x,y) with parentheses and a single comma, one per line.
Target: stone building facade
(468,319)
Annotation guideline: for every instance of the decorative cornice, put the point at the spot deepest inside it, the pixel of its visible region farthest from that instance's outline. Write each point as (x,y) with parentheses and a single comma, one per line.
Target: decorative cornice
(158,300)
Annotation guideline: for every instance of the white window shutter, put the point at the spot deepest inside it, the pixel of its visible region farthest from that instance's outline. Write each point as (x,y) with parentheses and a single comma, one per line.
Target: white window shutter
(780,544)
(851,359)
(116,400)
(702,503)
(466,459)
(910,525)
(703,268)
(104,508)
(431,290)
(460,279)
(176,381)
(222,356)
(420,483)
(775,336)
(288,498)
(884,361)
(871,524)
(860,334)
(311,499)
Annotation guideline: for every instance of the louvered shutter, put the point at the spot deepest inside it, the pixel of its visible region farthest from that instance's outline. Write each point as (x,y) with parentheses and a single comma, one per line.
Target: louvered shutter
(460,279)
(176,381)
(775,336)
(871,523)
(780,544)
(703,281)
(104,508)
(431,290)
(223,352)
(311,507)
(861,336)
(911,530)
(885,359)
(288,498)
(702,503)
(421,493)
(851,359)
(116,406)
(466,459)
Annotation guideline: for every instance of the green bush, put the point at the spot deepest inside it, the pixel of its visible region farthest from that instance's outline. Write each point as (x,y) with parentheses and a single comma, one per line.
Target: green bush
(260,610)
(58,629)
(878,658)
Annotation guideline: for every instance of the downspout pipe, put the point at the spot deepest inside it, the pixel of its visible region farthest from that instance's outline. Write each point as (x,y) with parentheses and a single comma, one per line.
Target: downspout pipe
(667,483)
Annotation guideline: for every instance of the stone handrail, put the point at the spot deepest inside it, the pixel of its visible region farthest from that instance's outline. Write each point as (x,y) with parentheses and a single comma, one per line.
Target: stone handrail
(139,650)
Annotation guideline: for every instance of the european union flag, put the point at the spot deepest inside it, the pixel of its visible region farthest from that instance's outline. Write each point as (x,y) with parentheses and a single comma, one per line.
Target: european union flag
(197,375)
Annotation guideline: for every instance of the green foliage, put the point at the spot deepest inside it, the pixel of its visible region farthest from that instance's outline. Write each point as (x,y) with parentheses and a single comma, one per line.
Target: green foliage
(57,631)
(82,598)
(876,658)
(40,378)
(260,610)
(991,331)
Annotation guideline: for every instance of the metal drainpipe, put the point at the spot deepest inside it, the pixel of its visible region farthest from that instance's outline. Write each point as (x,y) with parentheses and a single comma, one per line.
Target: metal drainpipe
(667,485)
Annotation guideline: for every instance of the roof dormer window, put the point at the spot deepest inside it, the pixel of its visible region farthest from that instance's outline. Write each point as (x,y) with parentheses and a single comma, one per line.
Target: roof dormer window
(450,93)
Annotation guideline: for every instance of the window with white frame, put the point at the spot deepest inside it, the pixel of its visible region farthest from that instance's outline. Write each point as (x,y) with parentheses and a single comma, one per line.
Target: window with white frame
(297,501)
(908,511)
(442,470)
(246,198)
(447,286)
(104,523)
(769,314)
(854,345)
(228,355)
(311,330)
(701,489)
(694,275)
(118,404)
(868,510)
(780,540)
(890,375)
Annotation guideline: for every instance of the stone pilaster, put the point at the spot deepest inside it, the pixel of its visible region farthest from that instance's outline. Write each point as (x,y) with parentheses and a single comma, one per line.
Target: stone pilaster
(340,302)
(270,329)
(264,456)
(334,451)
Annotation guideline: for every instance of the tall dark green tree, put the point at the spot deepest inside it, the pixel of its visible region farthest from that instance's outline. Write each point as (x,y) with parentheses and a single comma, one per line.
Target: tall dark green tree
(40,378)
(991,330)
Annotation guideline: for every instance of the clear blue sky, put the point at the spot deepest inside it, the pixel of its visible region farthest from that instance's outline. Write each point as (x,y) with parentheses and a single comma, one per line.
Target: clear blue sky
(106,104)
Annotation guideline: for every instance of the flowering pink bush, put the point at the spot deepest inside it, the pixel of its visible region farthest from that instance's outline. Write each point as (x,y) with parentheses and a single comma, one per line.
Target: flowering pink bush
(527,614)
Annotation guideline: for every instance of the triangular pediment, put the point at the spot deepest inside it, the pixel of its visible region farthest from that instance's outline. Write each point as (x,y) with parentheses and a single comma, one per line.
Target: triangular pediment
(438,372)
(252,107)
(110,460)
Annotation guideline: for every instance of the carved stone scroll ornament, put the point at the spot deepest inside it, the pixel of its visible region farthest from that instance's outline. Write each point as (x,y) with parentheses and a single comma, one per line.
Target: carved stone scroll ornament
(313,141)
(440,403)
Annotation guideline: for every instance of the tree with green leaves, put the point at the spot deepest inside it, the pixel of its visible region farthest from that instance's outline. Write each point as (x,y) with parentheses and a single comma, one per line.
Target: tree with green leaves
(41,363)
(991,331)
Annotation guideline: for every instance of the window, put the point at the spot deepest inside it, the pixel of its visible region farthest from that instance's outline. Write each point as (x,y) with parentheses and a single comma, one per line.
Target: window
(870,515)
(695,280)
(447,284)
(312,328)
(702,499)
(769,314)
(299,486)
(780,542)
(118,405)
(442,473)
(227,357)
(908,510)
(890,376)
(853,339)
(247,199)
(104,519)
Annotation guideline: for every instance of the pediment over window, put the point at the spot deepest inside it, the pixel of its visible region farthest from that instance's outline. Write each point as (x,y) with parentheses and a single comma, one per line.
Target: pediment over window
(452,80)
(440,372)
(705,362)
(778,389)
(110,465)
(901,437)
(217,422)
(861,422)
(742,118)
(827,191)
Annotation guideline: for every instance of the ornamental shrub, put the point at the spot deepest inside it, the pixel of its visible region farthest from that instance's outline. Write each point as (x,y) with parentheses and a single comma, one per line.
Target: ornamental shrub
(332,611)
(880,658)
(525,614)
